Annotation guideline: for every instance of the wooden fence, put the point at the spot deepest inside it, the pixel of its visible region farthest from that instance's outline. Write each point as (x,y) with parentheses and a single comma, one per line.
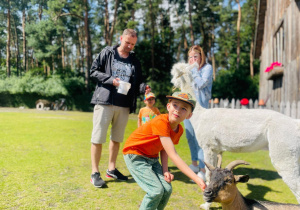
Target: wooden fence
(286,108)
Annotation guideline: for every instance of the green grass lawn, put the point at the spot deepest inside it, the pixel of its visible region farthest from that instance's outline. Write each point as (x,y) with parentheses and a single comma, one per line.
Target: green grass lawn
(45,163)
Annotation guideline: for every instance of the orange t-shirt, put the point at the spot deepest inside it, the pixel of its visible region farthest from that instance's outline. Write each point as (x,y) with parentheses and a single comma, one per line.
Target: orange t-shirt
(146,114)
(145,140)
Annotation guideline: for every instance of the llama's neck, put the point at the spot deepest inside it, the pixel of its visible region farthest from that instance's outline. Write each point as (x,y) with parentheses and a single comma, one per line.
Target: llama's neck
(199,107)
(188,89)
(185,84)
(197,114)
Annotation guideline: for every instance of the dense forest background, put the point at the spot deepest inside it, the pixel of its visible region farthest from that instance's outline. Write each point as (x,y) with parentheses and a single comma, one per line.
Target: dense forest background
(47,47)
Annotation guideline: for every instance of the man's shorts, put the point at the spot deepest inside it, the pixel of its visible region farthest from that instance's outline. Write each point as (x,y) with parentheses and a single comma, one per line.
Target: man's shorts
(104,115)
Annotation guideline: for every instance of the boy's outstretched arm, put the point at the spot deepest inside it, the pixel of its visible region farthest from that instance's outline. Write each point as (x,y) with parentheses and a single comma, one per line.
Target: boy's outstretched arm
(164,162)
(170,150)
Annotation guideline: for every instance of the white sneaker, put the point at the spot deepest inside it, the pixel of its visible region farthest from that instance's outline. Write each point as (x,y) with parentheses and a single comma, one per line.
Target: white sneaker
(196,169)
(201,175)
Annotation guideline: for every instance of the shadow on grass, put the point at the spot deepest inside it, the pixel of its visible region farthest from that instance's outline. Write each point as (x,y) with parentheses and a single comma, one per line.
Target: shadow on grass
(258,173)
(178,175)
(129,181)
(258,192)
(253,173)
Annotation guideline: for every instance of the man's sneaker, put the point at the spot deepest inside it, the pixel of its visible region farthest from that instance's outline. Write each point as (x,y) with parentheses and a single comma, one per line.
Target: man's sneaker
(96,180)
(115,174)
(196,169)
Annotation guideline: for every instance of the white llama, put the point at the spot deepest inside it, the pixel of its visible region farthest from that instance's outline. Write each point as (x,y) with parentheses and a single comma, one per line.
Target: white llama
(245,130)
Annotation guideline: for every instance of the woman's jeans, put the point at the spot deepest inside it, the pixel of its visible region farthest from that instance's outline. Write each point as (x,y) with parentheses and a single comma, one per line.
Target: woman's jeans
(196,150)
(147,172)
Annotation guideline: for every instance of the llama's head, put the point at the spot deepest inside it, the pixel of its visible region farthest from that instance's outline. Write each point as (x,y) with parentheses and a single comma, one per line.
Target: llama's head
(182,77)
(222,187)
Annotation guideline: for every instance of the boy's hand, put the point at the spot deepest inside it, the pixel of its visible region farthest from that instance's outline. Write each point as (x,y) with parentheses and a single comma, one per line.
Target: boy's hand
(168,177)
(201,184)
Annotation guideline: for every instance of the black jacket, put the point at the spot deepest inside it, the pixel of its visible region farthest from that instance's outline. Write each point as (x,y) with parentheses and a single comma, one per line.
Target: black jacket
(101,73)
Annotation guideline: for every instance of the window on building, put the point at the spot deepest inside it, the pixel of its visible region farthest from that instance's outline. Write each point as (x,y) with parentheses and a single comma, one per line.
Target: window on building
(278,56)
(278,44)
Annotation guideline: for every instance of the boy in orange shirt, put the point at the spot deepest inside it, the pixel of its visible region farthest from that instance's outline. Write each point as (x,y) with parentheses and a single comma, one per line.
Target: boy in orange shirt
(149,112)
(142,148)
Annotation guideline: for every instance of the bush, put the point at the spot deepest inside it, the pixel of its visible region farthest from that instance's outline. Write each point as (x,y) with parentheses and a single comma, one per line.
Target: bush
(24,91)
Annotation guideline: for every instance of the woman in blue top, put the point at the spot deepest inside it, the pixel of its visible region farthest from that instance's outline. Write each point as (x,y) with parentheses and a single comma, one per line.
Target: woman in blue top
(202,85)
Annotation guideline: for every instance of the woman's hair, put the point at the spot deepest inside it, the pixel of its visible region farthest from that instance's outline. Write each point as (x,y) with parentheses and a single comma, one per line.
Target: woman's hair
(199,50)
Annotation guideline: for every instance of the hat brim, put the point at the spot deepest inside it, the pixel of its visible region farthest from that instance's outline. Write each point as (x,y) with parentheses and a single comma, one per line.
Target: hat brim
(180,99)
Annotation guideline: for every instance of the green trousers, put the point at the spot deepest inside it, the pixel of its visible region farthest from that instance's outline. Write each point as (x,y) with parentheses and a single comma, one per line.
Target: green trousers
(147,172)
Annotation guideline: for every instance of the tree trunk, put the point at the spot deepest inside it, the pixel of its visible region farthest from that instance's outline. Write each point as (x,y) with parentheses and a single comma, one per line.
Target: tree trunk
(251,60)
(186,46)
(87,47)
(213,60)
(78,54)
(162,34)
(25,67)
(170,26)
(211,57)
(40,11)
(238,34)
(62,50)
(178,50)
(181,40)
(152,34)
(106,23)
(81,48)
(133,12)
(112,29)
(45,68)
(53,65)
(16,45)
(191,24)
(31,57)
(252,42)
(109,32)
(204,44)
(8,41)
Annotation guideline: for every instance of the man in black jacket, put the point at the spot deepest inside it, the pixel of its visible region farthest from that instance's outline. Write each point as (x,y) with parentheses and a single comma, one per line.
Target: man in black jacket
(112,65)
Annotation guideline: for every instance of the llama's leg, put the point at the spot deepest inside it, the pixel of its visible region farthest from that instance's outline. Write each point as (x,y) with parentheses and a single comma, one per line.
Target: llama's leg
(211,158)
(286,161)
(290,174)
